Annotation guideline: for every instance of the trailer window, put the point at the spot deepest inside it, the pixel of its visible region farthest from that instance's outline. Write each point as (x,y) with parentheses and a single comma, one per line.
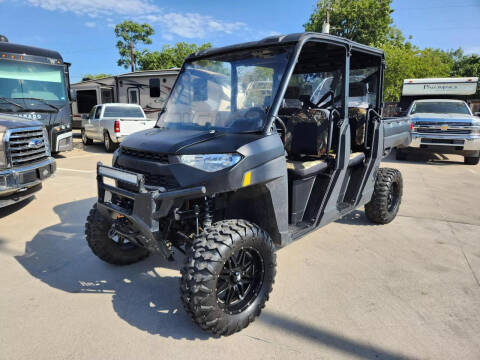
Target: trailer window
(154,85)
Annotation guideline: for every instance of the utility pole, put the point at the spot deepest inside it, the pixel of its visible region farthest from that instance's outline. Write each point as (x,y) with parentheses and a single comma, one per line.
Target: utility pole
(132,56)
(326,24)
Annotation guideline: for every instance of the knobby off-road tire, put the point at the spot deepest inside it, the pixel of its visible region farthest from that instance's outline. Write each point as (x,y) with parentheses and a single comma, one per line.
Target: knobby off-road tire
(387,196)
(96,232)
(471,160)
(85,139)
(209,276)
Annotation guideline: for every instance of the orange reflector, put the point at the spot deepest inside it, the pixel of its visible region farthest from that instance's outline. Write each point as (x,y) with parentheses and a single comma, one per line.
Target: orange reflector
(21,57)
(4,55)
(12,56)
(469,79)
(411,81)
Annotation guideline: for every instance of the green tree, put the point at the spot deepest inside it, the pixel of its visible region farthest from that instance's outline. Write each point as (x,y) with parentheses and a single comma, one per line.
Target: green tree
(169,56)
(466,65)
(365,21)
(94,76)
(129,34)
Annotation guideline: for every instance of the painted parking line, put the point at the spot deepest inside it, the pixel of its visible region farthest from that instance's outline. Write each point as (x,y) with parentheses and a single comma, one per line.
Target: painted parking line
(76,170)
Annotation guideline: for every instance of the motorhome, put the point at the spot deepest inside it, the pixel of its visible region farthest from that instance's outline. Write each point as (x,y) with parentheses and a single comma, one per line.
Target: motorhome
(34,86)
(149,89)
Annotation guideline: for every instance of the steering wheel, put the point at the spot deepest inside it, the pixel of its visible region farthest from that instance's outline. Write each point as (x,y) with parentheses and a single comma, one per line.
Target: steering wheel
(283,131)
(251,119)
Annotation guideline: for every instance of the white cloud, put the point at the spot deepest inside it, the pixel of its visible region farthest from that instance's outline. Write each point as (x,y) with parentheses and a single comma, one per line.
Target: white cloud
(94,8)
(188,25)
(193,25)
(472,50)
(90,24)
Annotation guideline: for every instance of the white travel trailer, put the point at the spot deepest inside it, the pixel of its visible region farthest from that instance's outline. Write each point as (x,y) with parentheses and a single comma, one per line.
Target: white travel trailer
(149,89)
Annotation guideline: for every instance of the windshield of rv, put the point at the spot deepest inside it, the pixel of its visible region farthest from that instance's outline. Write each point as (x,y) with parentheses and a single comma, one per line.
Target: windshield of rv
(440,107)
(231,92)
(20,80)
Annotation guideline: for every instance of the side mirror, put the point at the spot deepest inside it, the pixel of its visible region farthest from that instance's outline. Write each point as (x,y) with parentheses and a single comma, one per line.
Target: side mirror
(477,113)
(73,95)
(84,117)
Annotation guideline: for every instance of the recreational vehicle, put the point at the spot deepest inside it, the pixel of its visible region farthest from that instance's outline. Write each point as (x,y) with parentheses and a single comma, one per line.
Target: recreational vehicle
(149,89)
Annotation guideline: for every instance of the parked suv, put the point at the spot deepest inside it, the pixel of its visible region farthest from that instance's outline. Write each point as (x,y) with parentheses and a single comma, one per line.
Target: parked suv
(110,123)
(25,159)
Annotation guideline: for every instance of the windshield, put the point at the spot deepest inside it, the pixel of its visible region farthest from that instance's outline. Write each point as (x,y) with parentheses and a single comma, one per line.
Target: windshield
(440,107)
(123,111)
(230,92)
(22,80)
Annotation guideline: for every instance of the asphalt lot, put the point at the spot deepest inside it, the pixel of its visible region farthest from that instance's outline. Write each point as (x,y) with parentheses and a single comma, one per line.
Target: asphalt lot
(410,289)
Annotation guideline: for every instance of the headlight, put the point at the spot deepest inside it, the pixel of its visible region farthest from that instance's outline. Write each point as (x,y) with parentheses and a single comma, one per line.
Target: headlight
(3,157)
(211,162)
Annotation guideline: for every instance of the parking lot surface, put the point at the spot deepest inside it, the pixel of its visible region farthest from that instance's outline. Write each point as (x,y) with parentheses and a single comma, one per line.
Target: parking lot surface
(407,290)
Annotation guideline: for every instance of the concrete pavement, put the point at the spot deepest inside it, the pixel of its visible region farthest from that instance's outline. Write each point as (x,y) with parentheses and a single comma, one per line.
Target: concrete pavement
(409,289)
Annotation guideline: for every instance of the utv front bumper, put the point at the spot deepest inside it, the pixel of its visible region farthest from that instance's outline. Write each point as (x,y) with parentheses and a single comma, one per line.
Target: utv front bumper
(143,205)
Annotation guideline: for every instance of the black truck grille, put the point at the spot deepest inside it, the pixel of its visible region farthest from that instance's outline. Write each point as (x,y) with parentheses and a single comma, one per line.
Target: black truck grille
(26,146)
(145,155)
(166,181)
(440,131)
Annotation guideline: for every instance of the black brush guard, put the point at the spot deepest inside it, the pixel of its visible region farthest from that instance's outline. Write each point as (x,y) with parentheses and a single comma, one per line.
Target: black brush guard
(149,204)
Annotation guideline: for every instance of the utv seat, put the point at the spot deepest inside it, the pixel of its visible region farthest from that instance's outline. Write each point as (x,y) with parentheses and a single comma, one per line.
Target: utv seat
(304,159)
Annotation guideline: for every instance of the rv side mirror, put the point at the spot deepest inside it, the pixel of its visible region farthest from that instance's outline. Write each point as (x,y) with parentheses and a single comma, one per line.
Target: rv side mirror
(477,113)
(84,117)
(200,89)
(73,95)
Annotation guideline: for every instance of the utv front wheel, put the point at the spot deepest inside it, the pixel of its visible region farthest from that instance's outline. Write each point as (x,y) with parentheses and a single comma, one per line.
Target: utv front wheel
(387,196)
(228,276)
(109,247)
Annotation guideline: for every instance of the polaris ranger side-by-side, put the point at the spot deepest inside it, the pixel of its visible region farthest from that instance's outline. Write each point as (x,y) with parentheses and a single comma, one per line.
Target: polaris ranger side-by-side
(34,85)
(228,176)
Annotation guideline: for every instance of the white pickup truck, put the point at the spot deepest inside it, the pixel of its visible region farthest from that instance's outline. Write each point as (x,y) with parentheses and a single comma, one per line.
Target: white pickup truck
(111,123)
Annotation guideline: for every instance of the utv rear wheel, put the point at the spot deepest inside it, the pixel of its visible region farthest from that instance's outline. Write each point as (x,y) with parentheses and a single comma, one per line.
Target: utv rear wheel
(109,247)
(387,196)
(85,139)
(471,160)
(228,276)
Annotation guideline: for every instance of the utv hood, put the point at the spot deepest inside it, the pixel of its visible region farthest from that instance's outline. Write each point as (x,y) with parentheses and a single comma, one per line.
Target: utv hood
(175,141)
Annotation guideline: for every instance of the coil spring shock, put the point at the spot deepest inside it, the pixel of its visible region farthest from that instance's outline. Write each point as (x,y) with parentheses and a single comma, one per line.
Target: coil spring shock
(207,220)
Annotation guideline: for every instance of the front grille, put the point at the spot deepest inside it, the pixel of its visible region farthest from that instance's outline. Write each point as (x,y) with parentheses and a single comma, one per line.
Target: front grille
(166,181)
(436,123)
(145,155)
(440,131)
(26,146)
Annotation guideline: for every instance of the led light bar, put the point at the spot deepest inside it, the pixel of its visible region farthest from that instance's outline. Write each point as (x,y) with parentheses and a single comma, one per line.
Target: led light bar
(118,175)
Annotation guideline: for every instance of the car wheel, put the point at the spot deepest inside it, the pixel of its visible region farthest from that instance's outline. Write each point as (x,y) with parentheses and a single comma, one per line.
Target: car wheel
(110,146)
(85,139)
(471,160)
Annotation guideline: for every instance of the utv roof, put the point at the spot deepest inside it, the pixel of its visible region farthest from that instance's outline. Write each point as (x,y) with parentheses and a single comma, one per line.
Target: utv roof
(284,40)
(29,50)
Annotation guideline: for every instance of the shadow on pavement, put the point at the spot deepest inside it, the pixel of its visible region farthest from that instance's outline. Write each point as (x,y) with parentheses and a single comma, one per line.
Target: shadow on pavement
(425,158)
(10,209)
(351,347)
(60,257)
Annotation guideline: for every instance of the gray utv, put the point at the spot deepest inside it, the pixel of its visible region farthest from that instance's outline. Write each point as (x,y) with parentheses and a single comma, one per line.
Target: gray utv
(258,145)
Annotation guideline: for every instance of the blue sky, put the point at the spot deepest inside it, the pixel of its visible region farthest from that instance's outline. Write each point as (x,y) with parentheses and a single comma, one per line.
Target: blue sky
(82,30)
